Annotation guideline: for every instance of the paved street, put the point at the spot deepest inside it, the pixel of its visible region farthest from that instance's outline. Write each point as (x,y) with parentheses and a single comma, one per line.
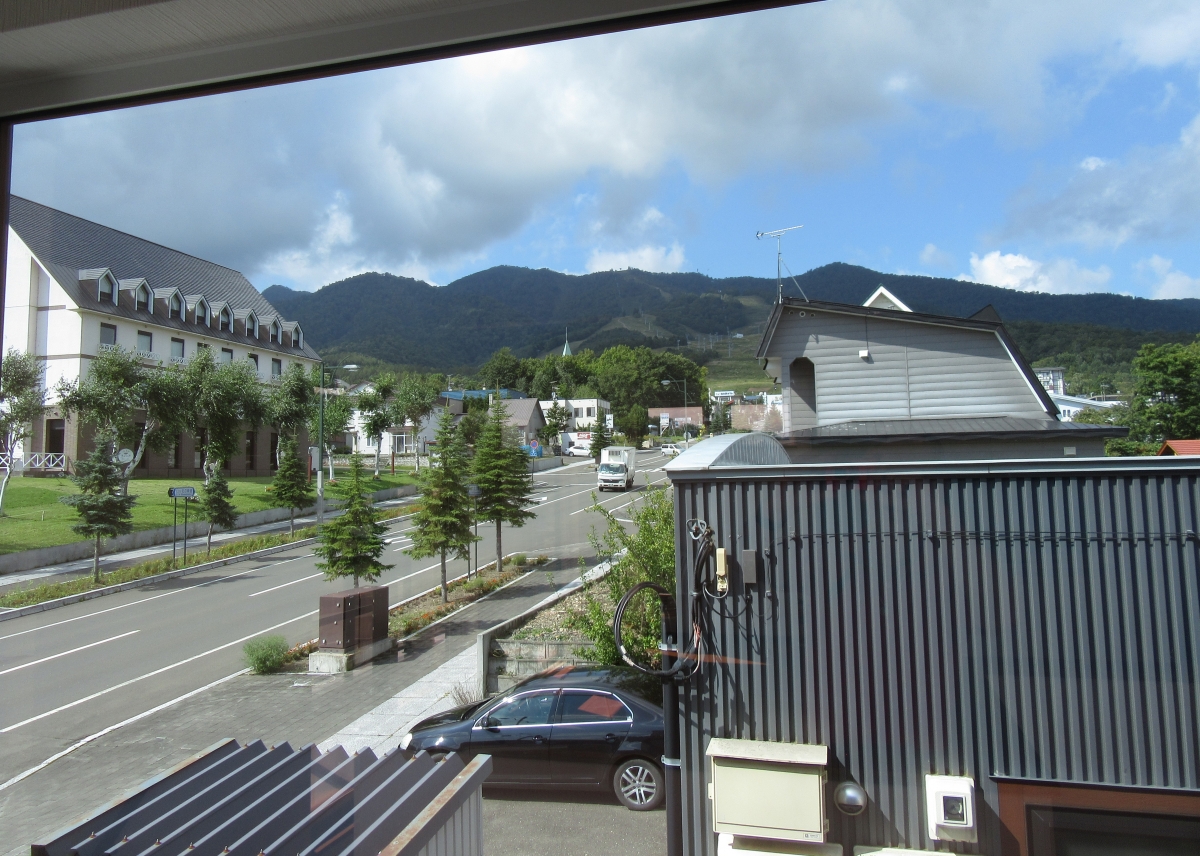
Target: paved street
(70,674)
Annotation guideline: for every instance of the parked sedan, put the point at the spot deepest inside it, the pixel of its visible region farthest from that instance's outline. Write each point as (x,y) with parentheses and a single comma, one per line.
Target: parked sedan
(573,727)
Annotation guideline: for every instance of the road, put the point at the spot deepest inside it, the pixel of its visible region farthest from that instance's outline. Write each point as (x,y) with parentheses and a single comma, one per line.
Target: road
(70,673)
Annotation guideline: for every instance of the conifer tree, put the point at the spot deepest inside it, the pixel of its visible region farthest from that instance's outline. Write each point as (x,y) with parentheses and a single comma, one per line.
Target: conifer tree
(501,469)
(290,488)
(216,504)
(352,542)
(601,439)
(443,524)
(104,510)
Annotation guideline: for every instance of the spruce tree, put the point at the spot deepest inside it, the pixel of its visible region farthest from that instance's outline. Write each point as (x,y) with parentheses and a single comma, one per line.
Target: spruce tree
(443,523)
(352,542)
(290,488)
(501,469)
(104,510)
(601,439)
(216,504)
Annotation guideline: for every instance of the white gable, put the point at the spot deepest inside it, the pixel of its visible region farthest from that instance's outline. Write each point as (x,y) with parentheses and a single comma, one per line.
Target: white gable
(884,299)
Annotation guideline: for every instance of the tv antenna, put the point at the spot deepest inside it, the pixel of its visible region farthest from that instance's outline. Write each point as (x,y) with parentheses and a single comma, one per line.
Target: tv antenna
(779,262)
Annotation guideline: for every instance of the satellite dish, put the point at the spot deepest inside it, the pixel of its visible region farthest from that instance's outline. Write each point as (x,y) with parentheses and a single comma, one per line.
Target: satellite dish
(125,456)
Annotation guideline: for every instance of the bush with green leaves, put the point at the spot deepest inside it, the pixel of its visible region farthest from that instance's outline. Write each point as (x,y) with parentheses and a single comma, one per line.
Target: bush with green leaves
(265,654)
(645,554)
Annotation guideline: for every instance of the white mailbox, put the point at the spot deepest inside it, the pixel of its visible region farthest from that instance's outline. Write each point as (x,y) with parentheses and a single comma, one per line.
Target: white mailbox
(767,790)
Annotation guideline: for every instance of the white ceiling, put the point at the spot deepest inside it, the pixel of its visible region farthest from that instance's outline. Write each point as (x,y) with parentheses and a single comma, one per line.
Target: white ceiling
(65,54)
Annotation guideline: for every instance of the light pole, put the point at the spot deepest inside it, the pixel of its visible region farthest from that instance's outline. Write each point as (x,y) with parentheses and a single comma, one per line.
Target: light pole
(667,383)
(321,439)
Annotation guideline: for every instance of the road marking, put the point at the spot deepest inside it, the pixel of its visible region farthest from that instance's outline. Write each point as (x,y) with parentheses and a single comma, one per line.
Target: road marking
(65,653)
(80,743)
(413,574)
(131,681)
(285,585)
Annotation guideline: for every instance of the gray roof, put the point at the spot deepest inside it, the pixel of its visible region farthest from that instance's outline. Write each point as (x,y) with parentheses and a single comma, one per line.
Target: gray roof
(522,412)
(934,430)
(731,450)
(68,246)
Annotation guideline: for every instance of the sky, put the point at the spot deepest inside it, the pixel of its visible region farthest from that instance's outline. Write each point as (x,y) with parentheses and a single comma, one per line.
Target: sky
(1036,146)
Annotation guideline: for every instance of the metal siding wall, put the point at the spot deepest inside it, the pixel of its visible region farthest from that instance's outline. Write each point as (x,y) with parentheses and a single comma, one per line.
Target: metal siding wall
(1028,626)
(462,834)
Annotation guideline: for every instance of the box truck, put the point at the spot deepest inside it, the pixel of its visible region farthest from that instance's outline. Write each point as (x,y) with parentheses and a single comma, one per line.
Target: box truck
(618,466)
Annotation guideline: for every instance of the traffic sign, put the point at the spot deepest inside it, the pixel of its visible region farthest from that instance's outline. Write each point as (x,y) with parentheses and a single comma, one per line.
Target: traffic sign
(474,491)
(125,456)
(534,444)
(182,493)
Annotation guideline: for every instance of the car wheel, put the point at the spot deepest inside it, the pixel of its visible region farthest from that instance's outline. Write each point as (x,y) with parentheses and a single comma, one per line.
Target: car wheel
(639,785)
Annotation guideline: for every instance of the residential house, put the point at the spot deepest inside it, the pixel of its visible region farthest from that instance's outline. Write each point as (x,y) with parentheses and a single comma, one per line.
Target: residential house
(862,383)
(525,416)
(583,411)
(1180,447)
(75,287)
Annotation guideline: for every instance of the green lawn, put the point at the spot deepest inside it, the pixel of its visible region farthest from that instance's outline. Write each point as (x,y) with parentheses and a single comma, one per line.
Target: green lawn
(35,518)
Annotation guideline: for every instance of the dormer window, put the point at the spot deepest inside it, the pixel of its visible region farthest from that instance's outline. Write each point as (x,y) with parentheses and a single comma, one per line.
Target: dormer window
(106,290)
(202,313)
(175,307)
(297,338)
(225,320)
(142,298)
(275,333)
(251,326)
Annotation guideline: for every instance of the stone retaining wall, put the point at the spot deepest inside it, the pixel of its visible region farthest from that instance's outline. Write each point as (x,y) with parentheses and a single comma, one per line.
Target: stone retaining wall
(512,660)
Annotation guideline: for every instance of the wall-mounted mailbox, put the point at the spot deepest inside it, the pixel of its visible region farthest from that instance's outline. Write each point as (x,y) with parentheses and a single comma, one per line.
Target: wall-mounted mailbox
(767,790)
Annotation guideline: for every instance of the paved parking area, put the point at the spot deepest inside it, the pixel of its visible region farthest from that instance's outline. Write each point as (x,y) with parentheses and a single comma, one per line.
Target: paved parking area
(543,823)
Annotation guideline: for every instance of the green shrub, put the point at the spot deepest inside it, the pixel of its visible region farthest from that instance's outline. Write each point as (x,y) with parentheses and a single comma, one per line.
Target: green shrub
(518,560)
(265,654)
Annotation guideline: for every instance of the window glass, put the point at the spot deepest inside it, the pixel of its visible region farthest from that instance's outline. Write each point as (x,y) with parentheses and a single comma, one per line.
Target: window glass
(591,411)
(592,707)
(254,359)
(56,436)
(106,289)
(143,299)
(108,334)
(201,313)
(177,349)
(224,319)
(145,343)
(532,709)
(175,306)
(227,355)
(276,368)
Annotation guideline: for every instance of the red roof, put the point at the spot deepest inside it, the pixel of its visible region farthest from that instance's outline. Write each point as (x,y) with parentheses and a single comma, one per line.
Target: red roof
(1180,447)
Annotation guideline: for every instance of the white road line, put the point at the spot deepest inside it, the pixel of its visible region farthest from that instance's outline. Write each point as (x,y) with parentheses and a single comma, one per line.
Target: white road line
(80,743)
(124,684)
(641,495)
(413,574)
(65,653)
(285,585)
(137,602)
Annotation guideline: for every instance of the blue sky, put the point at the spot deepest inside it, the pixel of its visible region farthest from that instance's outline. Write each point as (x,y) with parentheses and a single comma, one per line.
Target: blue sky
(1051,147)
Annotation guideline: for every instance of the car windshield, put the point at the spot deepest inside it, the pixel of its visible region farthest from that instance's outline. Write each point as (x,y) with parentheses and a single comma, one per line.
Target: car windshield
(612,468)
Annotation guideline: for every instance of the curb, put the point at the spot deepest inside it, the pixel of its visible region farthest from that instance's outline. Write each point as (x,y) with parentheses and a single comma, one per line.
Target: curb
(35,608)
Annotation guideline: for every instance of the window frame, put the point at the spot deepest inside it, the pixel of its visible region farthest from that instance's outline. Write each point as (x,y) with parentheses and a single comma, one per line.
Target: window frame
(558,720)
(207,322)
(225,351)
(101,293)
(175,306)
(150,336)
(104,327)
(276,364)
(225,320)
(143,299)
(182,348)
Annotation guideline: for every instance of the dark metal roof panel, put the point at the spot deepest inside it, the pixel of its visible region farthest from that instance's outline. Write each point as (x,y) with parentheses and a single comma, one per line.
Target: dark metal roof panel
(950,428)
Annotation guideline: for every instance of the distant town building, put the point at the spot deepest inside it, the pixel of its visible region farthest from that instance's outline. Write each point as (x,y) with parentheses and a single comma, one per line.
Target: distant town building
(1070,406)
(584,411)
(1052,380)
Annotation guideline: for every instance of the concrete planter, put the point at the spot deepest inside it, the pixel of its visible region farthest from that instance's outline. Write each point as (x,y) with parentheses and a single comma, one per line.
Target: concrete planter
(513,660)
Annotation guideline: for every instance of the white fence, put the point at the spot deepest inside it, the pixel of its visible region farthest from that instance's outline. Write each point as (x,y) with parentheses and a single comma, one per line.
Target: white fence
(46,461)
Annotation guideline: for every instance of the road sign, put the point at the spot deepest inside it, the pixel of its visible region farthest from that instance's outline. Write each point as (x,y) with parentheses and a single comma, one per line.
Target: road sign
(125,456)
(474,491)
(534,444)
(182,493)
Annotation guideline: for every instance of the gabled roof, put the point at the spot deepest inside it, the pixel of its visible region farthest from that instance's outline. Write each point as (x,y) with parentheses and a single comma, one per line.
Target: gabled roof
(522,411)
(884,299)
(996,327)
(1180,447)
(73,249)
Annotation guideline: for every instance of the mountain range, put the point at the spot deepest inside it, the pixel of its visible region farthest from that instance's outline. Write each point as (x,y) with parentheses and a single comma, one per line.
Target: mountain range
(457,326)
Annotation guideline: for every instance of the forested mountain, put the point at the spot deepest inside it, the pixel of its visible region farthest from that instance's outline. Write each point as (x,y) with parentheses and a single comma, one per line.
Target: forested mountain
(456,327)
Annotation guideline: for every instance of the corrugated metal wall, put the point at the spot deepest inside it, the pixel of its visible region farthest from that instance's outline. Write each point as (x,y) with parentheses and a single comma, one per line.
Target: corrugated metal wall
(1036,626)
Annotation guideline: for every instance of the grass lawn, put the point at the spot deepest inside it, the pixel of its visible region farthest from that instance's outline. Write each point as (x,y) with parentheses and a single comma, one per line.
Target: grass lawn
(35,518)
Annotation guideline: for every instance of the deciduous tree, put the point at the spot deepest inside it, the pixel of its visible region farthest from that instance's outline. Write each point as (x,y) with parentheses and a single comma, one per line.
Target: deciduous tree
(221,401)
(22,403)
(377,409)
(501,469)
(416,397)
(290,403)
(443,523)
(633,425)
(216,504)
(104,511)
(352,542)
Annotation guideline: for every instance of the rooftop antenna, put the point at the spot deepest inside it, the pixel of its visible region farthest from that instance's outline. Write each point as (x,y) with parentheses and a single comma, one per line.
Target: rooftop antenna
(778,236)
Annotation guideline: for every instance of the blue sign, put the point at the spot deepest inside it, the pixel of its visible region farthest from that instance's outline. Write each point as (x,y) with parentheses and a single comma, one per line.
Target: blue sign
(182,493)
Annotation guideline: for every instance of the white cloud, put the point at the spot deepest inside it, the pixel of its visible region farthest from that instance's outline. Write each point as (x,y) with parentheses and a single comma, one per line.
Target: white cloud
(1092,164)
(1170,283)
(648,258)
(433,163)
(1021,273)
(931,255)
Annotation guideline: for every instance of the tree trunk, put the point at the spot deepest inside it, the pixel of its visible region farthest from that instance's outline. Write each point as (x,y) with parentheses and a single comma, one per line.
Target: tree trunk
(499,550)
(378,449)
(356,580)
(292,522)
(210,529)
(4,484)
(329,460)
(96,562)
(445,593)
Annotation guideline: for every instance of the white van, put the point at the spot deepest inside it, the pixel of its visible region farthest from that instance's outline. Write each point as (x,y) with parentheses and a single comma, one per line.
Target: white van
(618,466)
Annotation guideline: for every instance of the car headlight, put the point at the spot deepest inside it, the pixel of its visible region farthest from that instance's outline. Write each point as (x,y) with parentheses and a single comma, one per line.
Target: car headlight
(406,740)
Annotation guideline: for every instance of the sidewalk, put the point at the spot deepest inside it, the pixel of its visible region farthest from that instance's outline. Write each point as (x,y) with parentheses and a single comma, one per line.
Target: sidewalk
(299,708)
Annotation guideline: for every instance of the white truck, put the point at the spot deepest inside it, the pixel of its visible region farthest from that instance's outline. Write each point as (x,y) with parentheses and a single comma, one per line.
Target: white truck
(618,466)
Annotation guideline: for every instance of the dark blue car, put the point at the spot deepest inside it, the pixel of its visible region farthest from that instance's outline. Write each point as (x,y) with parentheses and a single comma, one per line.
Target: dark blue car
(572,727)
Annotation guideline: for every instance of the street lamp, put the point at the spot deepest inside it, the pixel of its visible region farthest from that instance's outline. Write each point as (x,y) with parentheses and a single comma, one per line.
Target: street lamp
(667,383)
(321,438)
